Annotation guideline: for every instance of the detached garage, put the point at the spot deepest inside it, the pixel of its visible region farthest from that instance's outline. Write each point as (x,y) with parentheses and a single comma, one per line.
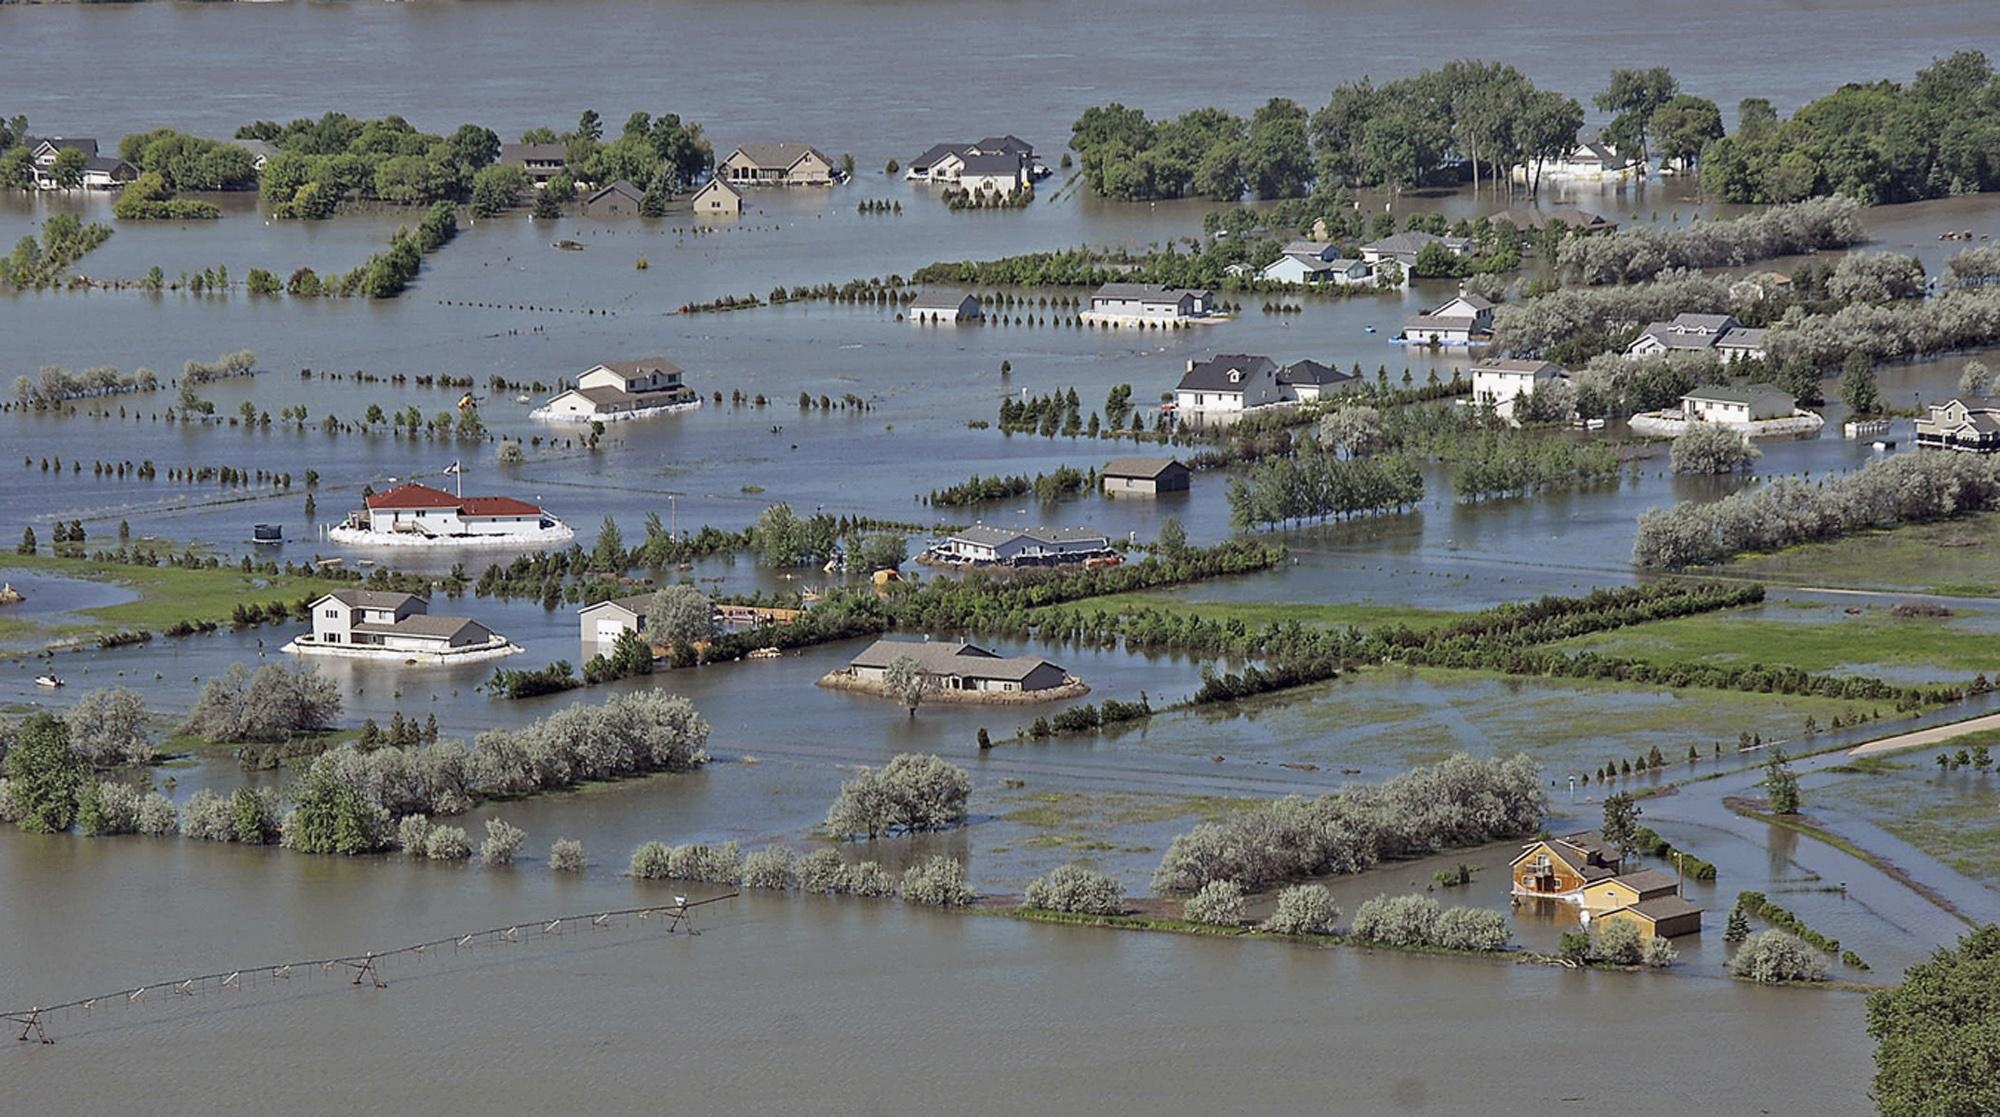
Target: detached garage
(1146,476)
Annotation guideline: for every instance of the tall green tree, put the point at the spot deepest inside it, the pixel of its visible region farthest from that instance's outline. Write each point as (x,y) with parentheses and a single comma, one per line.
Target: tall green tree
(1621,822)
(1937,1035)
(45,775)
(1684,127)
(1635,95)
(1781,784)
(1858,387)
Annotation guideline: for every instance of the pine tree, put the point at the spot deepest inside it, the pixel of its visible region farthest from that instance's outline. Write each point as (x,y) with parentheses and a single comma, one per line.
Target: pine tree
(1739,926)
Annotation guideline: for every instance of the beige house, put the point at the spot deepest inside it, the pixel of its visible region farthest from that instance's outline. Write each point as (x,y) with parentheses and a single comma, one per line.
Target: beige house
(1736,405)
(1965,423)
(622,390)
(542,161)
(717,199)
(958,667)
(620,199)
(361,623)
(782,164)
(1498,383)
(950,307)
(1145,476)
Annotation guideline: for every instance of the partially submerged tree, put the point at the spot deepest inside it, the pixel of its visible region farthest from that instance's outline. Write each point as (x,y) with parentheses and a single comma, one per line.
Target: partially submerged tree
(906,680)
(44,776)
(680,616)
(1937,1036)
(914,792)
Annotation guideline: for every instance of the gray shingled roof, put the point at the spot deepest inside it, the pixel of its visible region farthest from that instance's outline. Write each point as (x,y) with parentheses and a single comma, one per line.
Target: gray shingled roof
(780,156)
(940,300)
(1313,372)
(374,599)
(518,154)
(990,536)
(1413,242)
(437,628)
(642,367)
(943,658)
(636,604)
(1515,364)
(998,163)
(1146,468)
(1736,393)
(1212,375)
(1148,292)
(936,152)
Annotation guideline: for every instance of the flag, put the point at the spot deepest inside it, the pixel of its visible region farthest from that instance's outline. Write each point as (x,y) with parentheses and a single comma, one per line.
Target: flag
(452,468)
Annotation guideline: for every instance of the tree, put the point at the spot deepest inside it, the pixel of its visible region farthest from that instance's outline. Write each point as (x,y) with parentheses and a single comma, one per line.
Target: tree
(1304,909)
(590,126)
(108,727)
(545,207)
(27,545)
(17,169)
(1621,822)
(1781,784)
(679,616)
(1772,957)
(45,776)
(653,203)
(1684,126)
(498,188)
(609,554)
(69,167)
(1937,1035)
(1351,429)
(1073,888)
(905,679)
(1705,448)
(1172,541)
(1635,95)
(334,813)
(913,793)
(1739,926)
(1975,379)
(1858,388)
(1755,118)
(1220,902)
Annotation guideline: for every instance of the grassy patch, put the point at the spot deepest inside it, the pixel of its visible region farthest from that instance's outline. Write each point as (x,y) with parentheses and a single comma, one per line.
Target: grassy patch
(168,594)
(1080,811)
(1959,557)
(1954,816)
(1257,614)
(1858,644)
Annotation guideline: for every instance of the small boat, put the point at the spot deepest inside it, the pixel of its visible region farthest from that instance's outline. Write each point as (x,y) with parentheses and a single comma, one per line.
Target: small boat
(50,681)
(1368,329)
(765,653)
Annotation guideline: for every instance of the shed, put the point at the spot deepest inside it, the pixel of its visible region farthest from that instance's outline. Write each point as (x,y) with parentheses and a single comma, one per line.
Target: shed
(620,199)
(1146,476)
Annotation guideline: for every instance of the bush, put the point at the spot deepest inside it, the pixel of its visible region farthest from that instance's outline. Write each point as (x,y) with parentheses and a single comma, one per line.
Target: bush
(1455,803)
(914,792)
(336,810)
(1397,920)
(503,841)
(205,817)
(1471,929)
(108,808)
(157,816)
(822,870)
(1936,1033)
(566,856)
(276,702)
(698,861)
(773,867)
(1705,448)
(1219,902)
(650,862)
(45,776)
(937,881)
(412,831)
(108,727)
(868,879)
(1304,909)
(1660,953)
(1618,943)
(1772,957)
(1575,946)
(448,843)
(1074,888)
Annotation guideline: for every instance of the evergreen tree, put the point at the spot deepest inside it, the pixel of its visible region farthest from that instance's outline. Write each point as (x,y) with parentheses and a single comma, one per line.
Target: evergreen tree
(1781,785)
(1858,388)
(1739,926)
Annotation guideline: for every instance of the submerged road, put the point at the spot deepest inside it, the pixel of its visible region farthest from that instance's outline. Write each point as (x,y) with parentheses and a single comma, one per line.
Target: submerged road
(1921,737)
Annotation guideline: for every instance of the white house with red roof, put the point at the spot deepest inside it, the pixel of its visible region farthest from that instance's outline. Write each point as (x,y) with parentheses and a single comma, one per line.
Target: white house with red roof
(418,515)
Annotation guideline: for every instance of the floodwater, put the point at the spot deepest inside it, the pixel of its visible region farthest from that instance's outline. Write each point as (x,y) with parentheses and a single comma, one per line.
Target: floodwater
(816,1005)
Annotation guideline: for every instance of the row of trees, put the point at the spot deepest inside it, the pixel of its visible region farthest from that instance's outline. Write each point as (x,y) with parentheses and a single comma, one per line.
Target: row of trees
(1317,483)
(36,263)
(1640,253)
(1452,804)
(55,385)
(1908,488)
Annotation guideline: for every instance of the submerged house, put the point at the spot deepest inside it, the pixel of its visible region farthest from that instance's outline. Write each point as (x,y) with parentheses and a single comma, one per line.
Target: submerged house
(1498,383)
(957,667)
(377,624)
(620,199)
(607,620)
(780,164)
(1402,248)
(1145,476)
(1140,303)
(1007,162)
(981,545)
(1560,868)
(1736,405)
(1581,869)
(1721,334)
(413,514)
(622,390)
(1229,384)
(1309,379)
(1465,320)
(950,307)
(542,161)
(1969,423)
(1309,262)
(717,198)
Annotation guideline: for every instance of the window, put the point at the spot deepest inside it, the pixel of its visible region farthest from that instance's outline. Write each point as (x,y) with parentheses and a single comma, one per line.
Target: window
(333,614)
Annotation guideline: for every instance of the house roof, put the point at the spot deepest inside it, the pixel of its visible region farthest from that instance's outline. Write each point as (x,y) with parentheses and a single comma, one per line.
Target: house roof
(1742,337)
(934,153)
(1438,322)
(1516,365)
(1736,393)
(424,625)
(602,396)
(1146,468)
(721,185)
(1147,292)
(1412,242)
(108,163)
(1531,217)
(498,506)
(1474,301)
(948,658)
(1010,143)
(1309,248)
(81,143)
(413,495)
(1212,375)
(1313,372)
(941,300)
(997,163)
(1646,880)
(1662,907)
(990,536)
(779,156)
(635,604)
(373,599)
(621,188)
(1592,149)
(644,366)
(534,153)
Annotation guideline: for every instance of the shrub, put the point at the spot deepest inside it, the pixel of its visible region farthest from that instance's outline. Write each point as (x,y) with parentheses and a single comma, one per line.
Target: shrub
(1470,929)
(773,867)
(650,861)
(412,831)
(1304,909)
(1397,920)
(698,861)
(45,776)
(1707,448)
(566,856)
(1219,902)
(1575,946)
(1660,953)
(1618,943)
(868,879)
(276,702)
(914,792)
(822,870)
(336,810)
(205,817)
(108,808)
(157,816)
(1074,888)
(448,843)
(1771,957)
(503,841)
(937,881)
(108,727)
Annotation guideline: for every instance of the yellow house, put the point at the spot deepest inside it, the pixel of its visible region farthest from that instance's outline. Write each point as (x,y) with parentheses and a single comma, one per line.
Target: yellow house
(1613,893)
(1663,917)
(717,199)
(1559,868)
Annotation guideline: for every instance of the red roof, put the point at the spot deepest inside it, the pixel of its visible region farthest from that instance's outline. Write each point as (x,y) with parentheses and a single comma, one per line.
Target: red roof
(423,496)
(498,506)
(414,496)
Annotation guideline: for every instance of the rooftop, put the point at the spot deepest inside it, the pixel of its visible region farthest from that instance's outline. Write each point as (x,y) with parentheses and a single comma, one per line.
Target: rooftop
(1213,375)
(779,156)
(1149,468)
(1146,292)
(988,535)
(374,599)
(440,628)
(947,658)
(1736,393)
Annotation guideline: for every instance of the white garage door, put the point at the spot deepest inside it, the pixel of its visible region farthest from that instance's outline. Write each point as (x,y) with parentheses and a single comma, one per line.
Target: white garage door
(609,630)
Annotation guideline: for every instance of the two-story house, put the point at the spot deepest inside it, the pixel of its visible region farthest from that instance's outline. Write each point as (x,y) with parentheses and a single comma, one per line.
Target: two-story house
(622,390)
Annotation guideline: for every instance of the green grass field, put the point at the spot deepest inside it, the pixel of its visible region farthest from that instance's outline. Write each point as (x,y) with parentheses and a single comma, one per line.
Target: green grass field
(1256,614)
(1953,815)
(166,594)
(1818,638)
(1960,557)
